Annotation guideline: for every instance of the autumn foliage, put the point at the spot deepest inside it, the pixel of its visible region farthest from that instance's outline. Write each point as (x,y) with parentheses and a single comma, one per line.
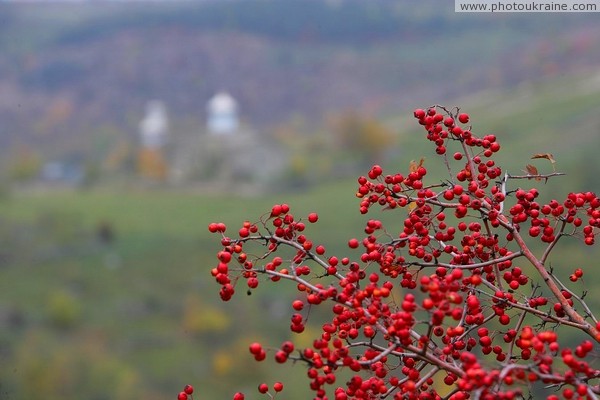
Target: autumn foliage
(451,302)
(151,164)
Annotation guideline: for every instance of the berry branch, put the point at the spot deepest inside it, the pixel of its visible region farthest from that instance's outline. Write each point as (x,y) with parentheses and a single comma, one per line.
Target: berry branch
(565,304)
(440,308)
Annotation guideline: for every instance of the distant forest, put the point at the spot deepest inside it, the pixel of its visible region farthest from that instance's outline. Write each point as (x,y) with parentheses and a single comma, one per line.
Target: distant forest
(340,22)
(73,75)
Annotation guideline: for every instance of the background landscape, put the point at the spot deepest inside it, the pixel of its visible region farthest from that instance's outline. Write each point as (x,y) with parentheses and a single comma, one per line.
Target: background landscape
(105,290)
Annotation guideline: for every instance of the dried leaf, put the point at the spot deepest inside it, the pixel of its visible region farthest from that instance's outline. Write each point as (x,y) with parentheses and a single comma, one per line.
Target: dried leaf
(413,167)
(412,205)
(547,156)
(532,170)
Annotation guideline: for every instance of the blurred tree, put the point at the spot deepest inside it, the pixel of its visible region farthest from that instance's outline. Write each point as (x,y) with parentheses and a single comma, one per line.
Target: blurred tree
(63,309)
(76,368)
(364,137)
(223,362)
(200,318)
(118,157)
(151,164)
(25,164)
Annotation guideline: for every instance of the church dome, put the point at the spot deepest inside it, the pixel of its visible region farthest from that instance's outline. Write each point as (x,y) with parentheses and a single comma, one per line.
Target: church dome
(222,103)
(222,114)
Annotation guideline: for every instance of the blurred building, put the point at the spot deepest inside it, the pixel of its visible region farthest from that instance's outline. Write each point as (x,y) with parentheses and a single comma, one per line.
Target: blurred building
(153,130)
(222,114)
(154,126)
(223,154)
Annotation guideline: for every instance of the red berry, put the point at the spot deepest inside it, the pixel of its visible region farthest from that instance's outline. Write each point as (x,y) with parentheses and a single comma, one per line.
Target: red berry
(276,210)
(457,131)
(182,396)
(188,389)
(244,232)
(448,195)
(213,227)
(419,113)
(281,356)
(224,256)
(375,171)
(255,348)
(287,347)
(353,243)
(278,386)
(297,305)
(428,304)
(263,388)
(262,354)
(313,217)
(463,118)
(238,396)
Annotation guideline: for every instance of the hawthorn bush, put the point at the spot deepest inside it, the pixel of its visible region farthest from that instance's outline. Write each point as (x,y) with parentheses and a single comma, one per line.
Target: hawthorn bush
(454,303)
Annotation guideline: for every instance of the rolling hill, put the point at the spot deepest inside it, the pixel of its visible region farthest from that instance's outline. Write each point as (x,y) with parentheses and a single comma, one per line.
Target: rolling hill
(74,76)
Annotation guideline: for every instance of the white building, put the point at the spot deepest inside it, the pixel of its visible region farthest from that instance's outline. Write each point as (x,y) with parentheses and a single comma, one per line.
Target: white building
(155,125)
(222,115)
(249,163)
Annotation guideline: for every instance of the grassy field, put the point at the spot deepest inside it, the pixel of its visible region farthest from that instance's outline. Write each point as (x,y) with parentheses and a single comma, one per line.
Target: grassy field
(146,299)
(138,315)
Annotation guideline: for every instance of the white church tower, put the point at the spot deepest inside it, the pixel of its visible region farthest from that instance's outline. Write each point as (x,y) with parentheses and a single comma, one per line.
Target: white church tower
(222,115)
(154,127)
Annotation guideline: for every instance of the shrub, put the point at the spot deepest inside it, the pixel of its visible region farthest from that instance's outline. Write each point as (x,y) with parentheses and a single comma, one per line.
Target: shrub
(454,303)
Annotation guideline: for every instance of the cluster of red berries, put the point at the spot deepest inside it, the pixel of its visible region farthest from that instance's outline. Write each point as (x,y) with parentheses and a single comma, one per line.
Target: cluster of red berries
(263,388)
(186,393)
(285,227)
(464,298)
(545,219)
(441,128)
